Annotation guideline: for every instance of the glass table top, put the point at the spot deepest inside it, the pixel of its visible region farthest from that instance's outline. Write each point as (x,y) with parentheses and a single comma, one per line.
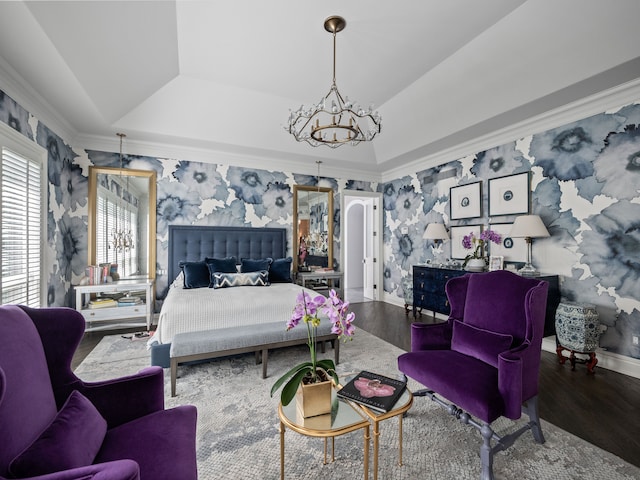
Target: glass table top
(343,417)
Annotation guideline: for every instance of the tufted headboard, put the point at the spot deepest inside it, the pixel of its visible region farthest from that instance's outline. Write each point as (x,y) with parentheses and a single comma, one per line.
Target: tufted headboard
(194,243)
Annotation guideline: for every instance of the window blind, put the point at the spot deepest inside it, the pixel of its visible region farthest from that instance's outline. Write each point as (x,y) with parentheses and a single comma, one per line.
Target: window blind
(21,230)
(115,214)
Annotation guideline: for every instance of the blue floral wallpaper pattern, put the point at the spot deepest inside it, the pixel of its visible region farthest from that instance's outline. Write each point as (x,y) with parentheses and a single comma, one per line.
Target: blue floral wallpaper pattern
(585,180)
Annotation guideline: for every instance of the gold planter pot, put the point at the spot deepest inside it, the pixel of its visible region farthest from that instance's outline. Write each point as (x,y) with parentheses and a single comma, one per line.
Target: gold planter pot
(314,399)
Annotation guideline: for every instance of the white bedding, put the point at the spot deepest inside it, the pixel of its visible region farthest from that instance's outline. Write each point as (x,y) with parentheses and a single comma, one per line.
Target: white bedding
(196,309)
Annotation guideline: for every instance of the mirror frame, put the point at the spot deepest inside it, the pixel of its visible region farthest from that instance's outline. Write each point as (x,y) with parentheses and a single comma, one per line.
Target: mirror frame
(296,237)
(94,171)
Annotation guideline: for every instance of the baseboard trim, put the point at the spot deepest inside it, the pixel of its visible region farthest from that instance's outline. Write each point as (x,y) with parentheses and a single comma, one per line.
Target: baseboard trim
(609,360)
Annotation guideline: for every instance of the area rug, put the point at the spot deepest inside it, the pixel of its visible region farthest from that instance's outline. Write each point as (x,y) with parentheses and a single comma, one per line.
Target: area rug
(238,424)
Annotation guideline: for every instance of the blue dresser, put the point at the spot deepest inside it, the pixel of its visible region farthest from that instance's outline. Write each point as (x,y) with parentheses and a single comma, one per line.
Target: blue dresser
(429,293)
(428,288)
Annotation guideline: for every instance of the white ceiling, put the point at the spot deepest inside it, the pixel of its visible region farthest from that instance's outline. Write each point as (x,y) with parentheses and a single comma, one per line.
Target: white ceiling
(219,77)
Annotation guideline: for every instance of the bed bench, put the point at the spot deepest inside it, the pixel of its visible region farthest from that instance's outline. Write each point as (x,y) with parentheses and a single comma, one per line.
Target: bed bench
(208,344)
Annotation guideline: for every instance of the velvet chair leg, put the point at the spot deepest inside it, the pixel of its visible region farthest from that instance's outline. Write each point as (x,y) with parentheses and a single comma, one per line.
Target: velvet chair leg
(531,410)
(486,453)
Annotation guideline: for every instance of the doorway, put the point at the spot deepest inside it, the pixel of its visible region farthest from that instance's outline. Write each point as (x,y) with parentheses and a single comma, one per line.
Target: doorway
(362,240)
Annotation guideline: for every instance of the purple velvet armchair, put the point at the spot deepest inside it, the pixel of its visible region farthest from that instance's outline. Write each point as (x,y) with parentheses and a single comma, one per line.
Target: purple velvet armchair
(483,362)
(54,426)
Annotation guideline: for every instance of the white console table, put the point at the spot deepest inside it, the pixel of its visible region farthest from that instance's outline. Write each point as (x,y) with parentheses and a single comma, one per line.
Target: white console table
(117,315)
(333,280)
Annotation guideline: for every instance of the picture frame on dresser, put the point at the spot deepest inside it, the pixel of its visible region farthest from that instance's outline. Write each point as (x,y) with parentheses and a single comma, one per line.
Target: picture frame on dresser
(509,195)
(465,201)
(495,262)
(457,233)
(510,248)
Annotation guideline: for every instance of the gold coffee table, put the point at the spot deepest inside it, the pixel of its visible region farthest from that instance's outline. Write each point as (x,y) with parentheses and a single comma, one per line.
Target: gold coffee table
(400,408)
(344,418)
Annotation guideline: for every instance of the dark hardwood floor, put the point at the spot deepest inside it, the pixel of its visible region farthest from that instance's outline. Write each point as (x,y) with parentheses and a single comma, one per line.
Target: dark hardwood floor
(603,408)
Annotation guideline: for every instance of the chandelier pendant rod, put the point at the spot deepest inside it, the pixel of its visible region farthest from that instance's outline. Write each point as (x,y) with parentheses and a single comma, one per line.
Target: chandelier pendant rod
(335,120)
(334,61)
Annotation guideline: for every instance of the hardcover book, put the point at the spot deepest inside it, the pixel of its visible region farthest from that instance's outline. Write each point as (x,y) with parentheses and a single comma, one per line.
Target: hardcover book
(374,391)
(102,303)
(127,300)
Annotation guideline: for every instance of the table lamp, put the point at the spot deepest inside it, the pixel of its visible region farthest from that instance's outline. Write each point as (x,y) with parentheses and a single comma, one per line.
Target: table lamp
(528,227)
(438,233)
(435,232)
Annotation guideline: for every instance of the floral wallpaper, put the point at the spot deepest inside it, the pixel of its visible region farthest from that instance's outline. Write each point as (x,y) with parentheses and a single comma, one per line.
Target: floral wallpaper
(585,182)
(188,193)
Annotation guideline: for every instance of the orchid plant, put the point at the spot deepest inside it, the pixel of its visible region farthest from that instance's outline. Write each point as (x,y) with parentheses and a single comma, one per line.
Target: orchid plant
(307,310)
(478,243)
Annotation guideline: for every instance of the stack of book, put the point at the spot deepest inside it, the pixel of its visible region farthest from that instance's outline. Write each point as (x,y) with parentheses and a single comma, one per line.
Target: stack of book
(102,303)
(129,301)
(317,285)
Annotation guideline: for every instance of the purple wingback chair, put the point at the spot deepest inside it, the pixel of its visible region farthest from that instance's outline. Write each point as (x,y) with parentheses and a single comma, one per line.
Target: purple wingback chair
(485,359)
(54,426)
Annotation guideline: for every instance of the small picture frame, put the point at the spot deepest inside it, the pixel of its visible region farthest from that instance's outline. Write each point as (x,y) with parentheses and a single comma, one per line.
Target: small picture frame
(509,195)
(495,262)
(510,248)
(465,201)
(457,234)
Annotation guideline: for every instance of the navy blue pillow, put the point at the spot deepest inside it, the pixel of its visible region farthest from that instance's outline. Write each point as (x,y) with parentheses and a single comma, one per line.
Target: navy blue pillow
(196,274)
(224,265)
(249,265)
(280,270)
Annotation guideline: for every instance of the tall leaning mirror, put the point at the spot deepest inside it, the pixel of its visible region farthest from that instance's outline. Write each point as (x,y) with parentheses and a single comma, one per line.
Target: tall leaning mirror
(122,221)
(312,227)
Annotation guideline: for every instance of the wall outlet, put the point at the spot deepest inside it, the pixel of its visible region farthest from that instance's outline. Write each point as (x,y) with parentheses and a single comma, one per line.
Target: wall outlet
(634,339)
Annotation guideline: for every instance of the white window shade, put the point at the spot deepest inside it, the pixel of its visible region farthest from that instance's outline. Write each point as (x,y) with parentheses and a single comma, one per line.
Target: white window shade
(21,229)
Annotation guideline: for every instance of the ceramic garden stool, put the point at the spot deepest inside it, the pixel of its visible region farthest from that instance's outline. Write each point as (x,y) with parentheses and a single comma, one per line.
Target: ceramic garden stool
(407,293)
(578,331)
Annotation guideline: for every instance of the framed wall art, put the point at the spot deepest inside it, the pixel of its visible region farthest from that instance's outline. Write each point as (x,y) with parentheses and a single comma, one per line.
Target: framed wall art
(466,201)
(457,234)
(509,195)
(511,249)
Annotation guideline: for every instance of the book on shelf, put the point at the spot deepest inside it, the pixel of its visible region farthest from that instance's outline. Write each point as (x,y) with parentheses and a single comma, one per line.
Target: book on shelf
(374,391)
(129,301)
(98,274)
(102,303)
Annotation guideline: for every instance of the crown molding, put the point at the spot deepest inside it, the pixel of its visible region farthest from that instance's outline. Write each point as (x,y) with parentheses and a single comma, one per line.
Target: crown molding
(28,98)
(14,86)
(613,98)
(207,154)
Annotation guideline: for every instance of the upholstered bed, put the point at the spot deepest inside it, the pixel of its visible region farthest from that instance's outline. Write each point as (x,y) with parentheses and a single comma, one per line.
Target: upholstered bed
(209,309)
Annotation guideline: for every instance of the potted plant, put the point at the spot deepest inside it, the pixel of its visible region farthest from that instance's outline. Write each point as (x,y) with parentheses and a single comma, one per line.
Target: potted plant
(314,372)
(476,261)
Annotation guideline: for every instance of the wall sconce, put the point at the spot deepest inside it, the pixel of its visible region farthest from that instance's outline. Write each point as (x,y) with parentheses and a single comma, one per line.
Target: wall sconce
(528,227)
(438,233)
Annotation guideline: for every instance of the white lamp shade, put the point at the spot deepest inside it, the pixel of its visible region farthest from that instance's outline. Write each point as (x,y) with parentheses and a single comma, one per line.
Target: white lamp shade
(435,231)
(530,226)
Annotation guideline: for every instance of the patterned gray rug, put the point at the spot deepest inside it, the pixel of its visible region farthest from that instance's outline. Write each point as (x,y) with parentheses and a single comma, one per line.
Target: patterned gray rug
(238,425)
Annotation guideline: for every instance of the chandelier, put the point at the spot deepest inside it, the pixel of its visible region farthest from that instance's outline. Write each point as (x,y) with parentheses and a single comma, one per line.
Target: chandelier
(334,120)
(121,236)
